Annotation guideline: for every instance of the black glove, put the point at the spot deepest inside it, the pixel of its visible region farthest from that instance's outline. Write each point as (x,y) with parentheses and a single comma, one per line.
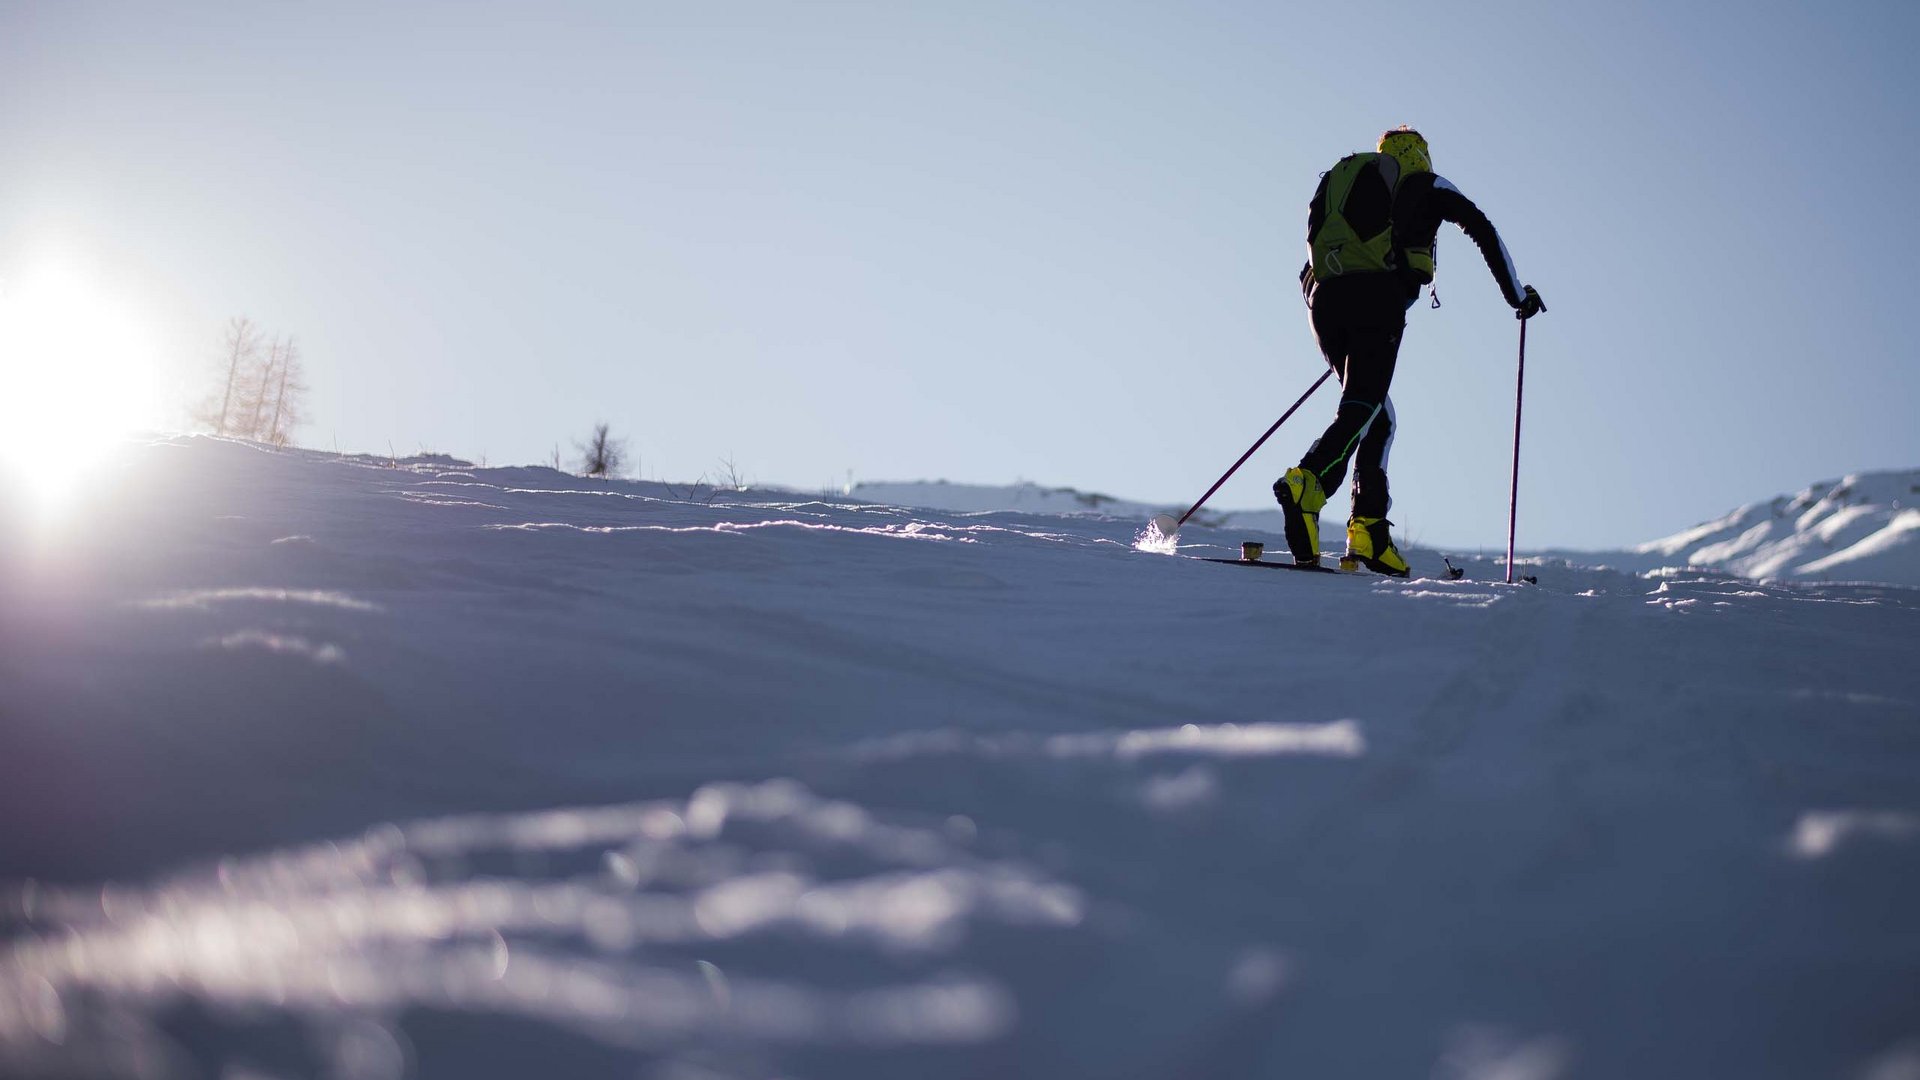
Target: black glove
(1530,305)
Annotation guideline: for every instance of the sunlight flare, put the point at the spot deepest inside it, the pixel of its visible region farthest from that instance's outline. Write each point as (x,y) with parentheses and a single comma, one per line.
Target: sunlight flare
(79,375)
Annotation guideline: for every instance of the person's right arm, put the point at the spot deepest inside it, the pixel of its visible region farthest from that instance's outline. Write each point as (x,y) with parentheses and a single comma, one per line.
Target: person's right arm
(1449,203)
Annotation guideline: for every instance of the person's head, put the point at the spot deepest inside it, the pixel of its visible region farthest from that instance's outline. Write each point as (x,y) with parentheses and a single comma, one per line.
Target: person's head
(1409,148)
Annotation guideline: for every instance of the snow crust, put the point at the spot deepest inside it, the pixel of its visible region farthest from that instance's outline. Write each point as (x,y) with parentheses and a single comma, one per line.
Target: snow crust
(317,766)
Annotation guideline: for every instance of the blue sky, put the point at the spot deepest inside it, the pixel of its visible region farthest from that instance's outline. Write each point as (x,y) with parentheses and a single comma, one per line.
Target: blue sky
(989,242)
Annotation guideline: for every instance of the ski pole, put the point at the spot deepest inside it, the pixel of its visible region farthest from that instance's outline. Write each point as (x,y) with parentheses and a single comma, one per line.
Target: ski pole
(1513,495)
(1243,457)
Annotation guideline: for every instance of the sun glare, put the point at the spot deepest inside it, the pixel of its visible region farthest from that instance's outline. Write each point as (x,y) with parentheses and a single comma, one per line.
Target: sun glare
(76,376)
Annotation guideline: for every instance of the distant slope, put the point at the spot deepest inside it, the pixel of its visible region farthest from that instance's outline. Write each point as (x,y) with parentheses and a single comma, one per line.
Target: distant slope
(1865,527)
(1022,496)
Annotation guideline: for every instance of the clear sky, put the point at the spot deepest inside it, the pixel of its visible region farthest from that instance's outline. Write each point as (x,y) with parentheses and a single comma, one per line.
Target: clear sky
(986,242)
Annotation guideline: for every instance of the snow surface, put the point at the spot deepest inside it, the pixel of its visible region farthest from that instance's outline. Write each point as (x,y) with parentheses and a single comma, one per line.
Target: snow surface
(313,766)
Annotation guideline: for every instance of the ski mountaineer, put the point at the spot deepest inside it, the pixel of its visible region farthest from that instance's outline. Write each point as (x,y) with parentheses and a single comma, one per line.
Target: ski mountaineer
(1370,234)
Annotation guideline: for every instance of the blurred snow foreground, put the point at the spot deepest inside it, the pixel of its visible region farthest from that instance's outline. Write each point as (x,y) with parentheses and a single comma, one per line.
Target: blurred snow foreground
(312,766)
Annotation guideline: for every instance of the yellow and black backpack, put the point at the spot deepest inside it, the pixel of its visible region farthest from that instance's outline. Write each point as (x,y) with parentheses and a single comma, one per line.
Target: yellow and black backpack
(1350,225)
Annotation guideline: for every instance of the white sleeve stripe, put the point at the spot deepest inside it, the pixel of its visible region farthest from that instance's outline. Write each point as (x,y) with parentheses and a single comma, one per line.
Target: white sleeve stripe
(1513,275)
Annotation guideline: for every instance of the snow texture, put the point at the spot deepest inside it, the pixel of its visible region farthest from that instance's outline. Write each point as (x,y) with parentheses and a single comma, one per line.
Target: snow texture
(313,766)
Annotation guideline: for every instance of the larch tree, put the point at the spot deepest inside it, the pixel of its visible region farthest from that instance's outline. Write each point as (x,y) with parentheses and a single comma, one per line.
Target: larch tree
(289,396)
(239,359)
(261,392)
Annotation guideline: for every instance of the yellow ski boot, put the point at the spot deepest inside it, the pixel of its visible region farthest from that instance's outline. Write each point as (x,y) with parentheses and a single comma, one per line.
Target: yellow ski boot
(1300,500)
(1369,544)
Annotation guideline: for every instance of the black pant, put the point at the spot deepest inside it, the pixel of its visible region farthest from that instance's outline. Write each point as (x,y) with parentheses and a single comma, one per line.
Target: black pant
(1358,321)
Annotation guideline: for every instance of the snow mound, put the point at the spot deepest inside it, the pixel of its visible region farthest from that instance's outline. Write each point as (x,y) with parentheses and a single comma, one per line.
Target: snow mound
(1865,527)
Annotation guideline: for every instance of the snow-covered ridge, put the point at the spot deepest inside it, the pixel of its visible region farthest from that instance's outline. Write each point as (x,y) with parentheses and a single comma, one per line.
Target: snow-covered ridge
(1865,527)
(1022,496)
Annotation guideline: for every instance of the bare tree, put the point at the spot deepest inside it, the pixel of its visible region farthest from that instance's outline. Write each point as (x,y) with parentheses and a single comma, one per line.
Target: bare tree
(239,359)
(289,395)
(261,393)
(257,391)
(602,455)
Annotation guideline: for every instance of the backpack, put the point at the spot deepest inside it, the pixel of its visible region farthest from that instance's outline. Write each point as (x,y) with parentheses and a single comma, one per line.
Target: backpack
(1350,224)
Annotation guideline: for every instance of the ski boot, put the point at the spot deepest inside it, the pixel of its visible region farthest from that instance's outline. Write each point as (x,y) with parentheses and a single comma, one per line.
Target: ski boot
(1369,544)
(1300,500)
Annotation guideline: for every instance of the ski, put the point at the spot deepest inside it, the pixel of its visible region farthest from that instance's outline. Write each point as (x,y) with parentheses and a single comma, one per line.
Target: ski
(1277,565)
(1250,552)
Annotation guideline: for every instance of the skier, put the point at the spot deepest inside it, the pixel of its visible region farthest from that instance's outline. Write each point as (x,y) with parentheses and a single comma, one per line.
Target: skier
(1370,232)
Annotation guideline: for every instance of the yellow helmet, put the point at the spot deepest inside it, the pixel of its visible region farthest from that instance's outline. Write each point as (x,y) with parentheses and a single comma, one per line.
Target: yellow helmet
(1409,148)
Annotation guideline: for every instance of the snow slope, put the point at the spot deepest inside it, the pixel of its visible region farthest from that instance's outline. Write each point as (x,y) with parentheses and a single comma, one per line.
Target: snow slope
(316,767)
(1865,527)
